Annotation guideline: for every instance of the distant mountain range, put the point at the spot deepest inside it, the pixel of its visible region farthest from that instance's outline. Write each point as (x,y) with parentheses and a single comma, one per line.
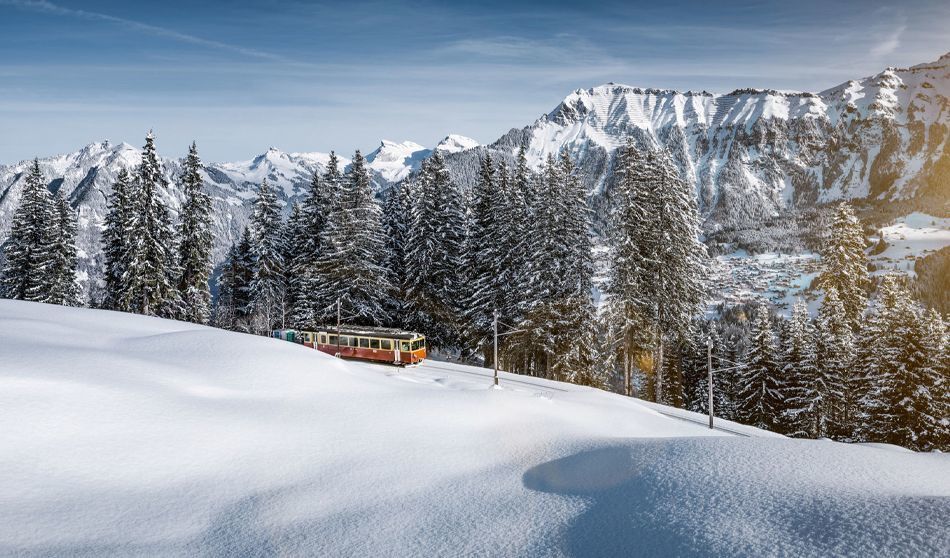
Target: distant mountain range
(752,154)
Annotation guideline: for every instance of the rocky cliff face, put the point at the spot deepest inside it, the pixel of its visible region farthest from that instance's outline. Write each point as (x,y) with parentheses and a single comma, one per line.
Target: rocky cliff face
(754,153)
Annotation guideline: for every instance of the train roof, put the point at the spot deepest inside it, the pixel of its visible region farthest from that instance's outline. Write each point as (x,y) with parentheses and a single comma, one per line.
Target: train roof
(363,331)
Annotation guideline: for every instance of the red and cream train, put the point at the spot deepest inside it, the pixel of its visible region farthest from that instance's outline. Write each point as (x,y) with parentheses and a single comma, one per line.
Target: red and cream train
(368,343)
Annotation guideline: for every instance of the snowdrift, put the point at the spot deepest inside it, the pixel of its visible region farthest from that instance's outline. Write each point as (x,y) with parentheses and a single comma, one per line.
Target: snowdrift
(127,435)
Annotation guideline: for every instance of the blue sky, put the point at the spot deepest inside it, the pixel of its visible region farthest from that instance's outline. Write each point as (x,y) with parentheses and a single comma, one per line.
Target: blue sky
(241,76)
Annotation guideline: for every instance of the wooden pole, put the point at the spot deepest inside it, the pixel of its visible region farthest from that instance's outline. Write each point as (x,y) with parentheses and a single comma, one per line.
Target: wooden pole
(709,365)
(495,329)
(338,327)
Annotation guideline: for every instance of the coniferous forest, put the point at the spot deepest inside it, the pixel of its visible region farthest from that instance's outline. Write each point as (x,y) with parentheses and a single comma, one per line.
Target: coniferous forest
(872,363)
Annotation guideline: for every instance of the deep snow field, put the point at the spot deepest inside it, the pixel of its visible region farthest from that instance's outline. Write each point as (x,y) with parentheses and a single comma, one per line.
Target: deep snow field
(127,435)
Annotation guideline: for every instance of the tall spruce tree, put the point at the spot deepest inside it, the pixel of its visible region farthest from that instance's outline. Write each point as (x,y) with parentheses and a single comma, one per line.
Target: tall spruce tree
(835,348)
(845,264)
(397,223)
(658,262)
(933,395)
(293,244)
(152,268)
(352,266)
(800,384)
(29,251)
(559,321)
(234,295)
(484,261)
(65,259)
(435,254)
(309,309)
(267,287)
(894,400)
(225,309)
(518,193)
(117,243)
(760,393)
(194,252)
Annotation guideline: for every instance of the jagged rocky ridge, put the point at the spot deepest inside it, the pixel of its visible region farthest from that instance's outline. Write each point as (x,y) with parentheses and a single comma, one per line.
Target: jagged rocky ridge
(752,154)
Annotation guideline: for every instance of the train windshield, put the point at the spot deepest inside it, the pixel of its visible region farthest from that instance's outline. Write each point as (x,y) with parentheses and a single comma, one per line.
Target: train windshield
(418,344)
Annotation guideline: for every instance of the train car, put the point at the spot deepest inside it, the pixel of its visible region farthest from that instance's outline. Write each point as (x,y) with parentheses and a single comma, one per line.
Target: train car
(285,334)
(307,338)
(378,344)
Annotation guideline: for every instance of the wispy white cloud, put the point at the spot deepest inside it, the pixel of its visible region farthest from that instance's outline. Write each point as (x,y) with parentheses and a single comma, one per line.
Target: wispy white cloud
(44,6)
(889,44)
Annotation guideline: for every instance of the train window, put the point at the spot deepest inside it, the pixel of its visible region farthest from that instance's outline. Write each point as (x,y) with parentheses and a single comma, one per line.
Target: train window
(386,345)
(354,342)
(374,343)
(418,344)
(323,339)
(364,342)
(333,339)
(404,345)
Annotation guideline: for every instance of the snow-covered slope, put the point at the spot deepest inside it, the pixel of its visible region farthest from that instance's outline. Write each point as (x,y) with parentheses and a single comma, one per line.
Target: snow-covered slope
(127,435)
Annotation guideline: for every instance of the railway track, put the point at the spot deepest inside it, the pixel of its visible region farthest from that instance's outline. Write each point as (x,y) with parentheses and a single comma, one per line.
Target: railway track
(703,422)
(491,376)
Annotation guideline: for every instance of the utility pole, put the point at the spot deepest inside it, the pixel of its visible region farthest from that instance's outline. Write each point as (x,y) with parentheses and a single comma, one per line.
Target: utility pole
(496,335)
(338,327)
(709,348)
(709,364)
(495,329)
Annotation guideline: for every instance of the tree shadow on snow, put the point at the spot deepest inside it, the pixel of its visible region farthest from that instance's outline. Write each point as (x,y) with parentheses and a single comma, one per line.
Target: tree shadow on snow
(622,518)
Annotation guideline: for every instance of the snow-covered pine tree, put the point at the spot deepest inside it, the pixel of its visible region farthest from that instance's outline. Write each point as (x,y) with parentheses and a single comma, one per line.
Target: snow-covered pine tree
(29,250)
(234,294)
(933,395)
(351,267)
(117,241)
(397,221)
(801,387)
(759,397)
(194,252)
(895,403)
(679,285)
(435,254)
(863,422)
(293,244)
(225,308)
(659,260)
(309,309)
(835,349)
(267,287)
(627,322)
(63,288)
(484,260)
(846,264)
(559,322)
(152,269)
(517,190)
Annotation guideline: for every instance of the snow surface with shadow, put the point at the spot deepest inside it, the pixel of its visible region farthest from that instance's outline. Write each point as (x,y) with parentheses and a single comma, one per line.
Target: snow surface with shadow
(748,497)
(122,435)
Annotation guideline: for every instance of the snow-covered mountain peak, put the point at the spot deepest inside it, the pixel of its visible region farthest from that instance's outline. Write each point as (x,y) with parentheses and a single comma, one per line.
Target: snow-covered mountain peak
(394,161)
(453,143)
